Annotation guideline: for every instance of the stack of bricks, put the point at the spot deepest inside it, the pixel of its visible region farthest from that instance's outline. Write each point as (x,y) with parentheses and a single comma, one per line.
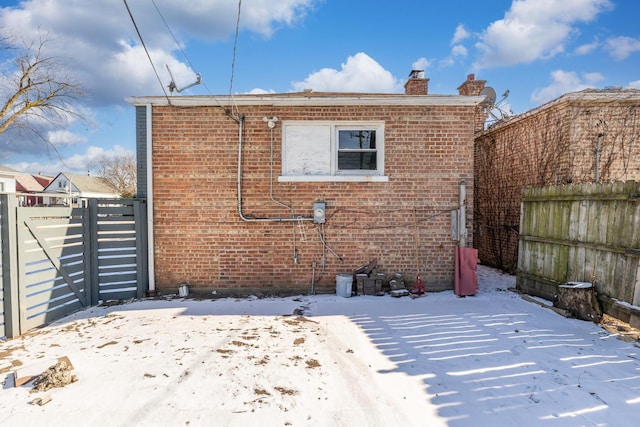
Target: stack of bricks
(369,280)
(397,283)
(398,286)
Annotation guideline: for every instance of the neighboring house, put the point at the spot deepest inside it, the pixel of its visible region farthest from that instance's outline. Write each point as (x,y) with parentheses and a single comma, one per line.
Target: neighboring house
(43,180)
(587,136)
(76,187)
(25,186)
(282,192)
(8,179)
(29,190)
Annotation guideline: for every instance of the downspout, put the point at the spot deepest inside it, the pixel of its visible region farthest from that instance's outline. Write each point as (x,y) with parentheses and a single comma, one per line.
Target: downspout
(462,221)
(150,240)
(240,213)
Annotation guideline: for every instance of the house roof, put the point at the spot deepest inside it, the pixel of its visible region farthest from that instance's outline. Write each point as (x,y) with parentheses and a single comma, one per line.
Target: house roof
(88,184)
(7,171)
(309,98)
(43,179)
(28,183)
(594,96)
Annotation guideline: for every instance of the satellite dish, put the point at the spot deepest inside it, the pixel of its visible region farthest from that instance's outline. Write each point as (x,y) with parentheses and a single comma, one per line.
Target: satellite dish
(172,85)
(490,96)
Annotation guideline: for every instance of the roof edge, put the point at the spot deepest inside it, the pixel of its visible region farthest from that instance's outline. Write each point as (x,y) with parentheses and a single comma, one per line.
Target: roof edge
(307,100)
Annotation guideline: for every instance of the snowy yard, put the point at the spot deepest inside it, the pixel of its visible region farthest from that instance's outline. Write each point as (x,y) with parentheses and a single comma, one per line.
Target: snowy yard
(493,359)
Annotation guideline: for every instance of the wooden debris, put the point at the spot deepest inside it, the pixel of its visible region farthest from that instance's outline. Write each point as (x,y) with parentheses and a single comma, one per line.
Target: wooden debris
(41,401)
(58,375)
(26,374)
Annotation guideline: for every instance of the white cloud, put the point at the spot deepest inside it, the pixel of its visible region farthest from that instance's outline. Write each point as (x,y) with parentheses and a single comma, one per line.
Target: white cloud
(421,64)
(621,47)
(64,137)
(460,34)
(77,163)
(634,85)
(359,74)
(586,49)
(260,91)
(534,29)
(563,82)
(458,50)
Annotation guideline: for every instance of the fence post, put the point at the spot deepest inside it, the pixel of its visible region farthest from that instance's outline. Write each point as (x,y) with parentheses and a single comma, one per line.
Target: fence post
(91,252)
(142,268)
(9,251)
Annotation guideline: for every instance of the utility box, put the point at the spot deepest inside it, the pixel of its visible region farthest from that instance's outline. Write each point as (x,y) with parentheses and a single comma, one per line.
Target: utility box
(319,212)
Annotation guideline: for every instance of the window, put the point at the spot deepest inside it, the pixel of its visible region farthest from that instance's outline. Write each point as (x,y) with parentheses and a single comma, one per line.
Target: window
(356,150)
(332,151)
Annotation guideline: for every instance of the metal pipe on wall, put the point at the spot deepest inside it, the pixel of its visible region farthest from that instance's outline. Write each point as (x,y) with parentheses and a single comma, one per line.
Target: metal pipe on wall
(150,236)
(463,215)
(240,213)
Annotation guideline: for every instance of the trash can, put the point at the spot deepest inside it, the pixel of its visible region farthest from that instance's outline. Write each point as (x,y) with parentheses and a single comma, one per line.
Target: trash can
(344,285)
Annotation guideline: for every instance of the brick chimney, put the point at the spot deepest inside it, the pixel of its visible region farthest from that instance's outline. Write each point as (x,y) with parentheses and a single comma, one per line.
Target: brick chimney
(471,87)
(417,84)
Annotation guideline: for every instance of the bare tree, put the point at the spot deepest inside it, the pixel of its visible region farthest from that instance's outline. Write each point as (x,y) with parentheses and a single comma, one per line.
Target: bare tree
(120,170)
(35,89)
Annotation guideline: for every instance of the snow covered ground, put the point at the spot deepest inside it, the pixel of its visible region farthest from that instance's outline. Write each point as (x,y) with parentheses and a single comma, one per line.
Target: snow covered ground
(489,360)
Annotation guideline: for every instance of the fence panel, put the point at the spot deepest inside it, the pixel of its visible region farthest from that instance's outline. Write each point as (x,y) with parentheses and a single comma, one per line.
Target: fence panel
(586,233)
(51,250)
(118,250)
(56,260)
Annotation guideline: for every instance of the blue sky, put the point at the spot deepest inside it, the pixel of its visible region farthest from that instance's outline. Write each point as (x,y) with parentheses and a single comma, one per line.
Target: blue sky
(536,49)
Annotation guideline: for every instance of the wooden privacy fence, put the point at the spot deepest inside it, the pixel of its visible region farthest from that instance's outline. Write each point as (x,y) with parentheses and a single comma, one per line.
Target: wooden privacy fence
(584,233)
(56,260)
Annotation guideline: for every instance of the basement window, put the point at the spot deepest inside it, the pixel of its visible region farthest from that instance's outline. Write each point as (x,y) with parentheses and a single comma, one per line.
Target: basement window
(332,151)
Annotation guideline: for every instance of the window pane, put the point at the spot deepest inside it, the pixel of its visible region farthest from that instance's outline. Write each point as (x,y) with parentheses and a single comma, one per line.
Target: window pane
(357,139)
(358,161)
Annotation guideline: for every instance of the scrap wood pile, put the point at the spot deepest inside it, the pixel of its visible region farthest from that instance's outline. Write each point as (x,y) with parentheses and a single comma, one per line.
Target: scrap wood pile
(369,281)
(58,375)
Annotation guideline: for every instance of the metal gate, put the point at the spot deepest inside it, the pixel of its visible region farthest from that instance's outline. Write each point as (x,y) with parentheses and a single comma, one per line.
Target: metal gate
(57,260)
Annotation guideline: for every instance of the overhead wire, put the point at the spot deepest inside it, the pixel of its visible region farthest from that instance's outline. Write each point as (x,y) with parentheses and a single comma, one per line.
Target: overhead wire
(233,60)
(186,57)
(135,25)
(164,21)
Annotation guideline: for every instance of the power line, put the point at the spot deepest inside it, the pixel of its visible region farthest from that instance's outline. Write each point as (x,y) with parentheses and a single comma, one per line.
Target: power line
(186,57)
(235,46)
(147,51)
(173,35)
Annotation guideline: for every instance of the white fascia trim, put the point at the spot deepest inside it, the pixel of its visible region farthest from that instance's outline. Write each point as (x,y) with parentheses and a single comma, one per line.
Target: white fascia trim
(320,101)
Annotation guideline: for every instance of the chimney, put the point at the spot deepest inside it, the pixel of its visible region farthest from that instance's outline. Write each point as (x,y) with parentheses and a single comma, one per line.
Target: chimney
(417,84)
(471,87)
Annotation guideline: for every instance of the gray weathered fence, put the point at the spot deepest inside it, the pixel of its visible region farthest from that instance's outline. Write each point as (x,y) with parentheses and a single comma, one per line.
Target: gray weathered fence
(56,260)
(586,233)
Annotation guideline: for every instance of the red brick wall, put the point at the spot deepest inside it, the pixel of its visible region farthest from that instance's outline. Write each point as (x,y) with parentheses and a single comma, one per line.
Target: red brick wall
(200,239)
(552,145)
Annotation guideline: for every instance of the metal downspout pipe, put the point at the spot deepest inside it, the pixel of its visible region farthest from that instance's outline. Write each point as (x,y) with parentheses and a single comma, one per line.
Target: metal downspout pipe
(150,237)
(462,221)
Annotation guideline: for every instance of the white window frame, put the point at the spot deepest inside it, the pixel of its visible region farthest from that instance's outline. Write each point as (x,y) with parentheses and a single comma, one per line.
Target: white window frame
(326,169)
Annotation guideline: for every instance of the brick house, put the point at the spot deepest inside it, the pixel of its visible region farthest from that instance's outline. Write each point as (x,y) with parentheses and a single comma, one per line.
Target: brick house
(587,136)
(279,193)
